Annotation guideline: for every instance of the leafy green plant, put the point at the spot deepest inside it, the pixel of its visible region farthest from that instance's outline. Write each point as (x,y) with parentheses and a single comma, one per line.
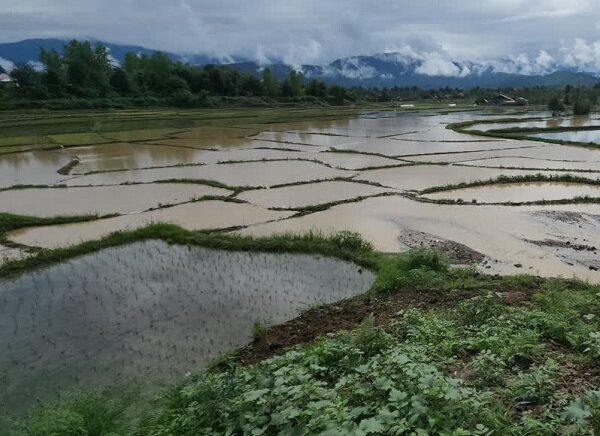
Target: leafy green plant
(488,368)
(426,259)
(478,310)
(260,329)
(80,414)
(352,241)
(535,385)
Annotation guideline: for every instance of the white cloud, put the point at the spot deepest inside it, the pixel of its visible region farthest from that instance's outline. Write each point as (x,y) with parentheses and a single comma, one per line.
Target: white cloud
(261,57)
(435,65)
(582,55)
(6,64)
(315,31)
(302,54)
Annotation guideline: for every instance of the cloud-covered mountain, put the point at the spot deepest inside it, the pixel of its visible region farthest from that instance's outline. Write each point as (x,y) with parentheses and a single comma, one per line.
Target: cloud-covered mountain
(402,67)
(28,50)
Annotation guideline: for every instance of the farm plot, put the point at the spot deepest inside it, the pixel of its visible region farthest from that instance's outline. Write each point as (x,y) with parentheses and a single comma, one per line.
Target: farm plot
(149,310)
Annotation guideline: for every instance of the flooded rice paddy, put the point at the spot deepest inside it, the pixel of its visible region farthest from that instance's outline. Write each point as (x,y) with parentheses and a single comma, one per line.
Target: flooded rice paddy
(519,193)
(149,309)
(202,215)
(310,165)
(155,310)
(101,200)
(583,136)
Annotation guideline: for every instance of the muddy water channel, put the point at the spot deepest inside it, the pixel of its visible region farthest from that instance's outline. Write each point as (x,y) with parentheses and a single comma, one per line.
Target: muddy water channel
(149,310)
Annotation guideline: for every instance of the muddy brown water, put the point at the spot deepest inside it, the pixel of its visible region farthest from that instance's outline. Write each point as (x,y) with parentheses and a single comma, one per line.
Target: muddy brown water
(518,192)
(499,232)
(575,121)
(149,311)
(202,215)
(103,200)
(266,173)
(409,178)
(367,140)
(310,194)
(32,168)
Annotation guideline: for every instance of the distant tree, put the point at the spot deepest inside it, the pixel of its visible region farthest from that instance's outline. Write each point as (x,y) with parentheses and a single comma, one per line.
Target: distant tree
(252,86)
(269,83)
(338,94)
(120,82)
(295,82)
(54,77)
(316,88)
(30,81)
(556,105)
(582,106)
(175,84)
(2,70)
(286,89)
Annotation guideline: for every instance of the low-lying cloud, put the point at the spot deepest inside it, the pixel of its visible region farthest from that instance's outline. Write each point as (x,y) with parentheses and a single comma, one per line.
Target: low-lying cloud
(528,36)
(6,64)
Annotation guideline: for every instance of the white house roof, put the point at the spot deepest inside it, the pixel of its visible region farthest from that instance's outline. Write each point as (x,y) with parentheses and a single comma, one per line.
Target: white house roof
(5,78)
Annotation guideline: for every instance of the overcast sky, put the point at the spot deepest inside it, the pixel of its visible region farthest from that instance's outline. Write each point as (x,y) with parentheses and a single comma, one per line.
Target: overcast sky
(319,31)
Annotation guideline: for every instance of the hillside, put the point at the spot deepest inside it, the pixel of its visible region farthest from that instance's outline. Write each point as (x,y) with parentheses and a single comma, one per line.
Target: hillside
(378,70)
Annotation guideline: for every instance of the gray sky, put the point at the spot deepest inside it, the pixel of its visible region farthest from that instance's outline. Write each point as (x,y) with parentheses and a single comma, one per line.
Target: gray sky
(319,31)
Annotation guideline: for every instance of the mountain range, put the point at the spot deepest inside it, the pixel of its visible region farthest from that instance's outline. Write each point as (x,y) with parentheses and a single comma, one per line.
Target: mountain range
(378,70)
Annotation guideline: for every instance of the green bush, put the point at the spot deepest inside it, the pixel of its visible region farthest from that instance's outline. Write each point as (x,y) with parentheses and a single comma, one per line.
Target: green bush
(430,259)
(351,241)
(417,269)
(582,106)
(81,414)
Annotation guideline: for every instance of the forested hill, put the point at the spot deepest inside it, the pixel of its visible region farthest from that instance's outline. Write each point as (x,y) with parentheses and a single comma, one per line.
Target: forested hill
(384,70)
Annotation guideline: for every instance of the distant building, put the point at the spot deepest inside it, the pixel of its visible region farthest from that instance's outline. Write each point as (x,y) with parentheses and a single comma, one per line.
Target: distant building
(7,81)
(522,101)
(503,100)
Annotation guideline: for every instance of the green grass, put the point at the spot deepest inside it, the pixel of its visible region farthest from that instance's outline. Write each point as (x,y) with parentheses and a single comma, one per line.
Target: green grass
(9,222)
(345,245)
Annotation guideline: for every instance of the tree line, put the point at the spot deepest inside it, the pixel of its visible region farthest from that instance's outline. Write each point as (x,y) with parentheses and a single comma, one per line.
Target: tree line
(87,72)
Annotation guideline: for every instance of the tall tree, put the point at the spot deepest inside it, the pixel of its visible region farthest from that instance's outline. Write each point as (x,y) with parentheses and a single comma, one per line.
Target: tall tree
(269,83)
(295,80)
(54,75)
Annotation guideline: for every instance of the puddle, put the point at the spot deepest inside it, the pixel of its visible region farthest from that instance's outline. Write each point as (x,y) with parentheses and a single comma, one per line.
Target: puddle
(201,215)
(103,200)
(149,311)
(309,195)
(518,192)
